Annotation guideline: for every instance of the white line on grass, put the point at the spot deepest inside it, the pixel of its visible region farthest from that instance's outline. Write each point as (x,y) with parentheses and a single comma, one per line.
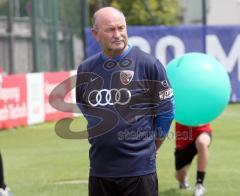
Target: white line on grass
(72,182)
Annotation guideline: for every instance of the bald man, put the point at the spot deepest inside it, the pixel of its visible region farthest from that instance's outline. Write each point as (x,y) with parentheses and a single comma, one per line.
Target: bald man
(109,29)
(126,98)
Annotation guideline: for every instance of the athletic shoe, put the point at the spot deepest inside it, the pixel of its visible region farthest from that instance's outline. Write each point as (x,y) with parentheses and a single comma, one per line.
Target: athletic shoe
(199,190)
(184,185)
(5,192)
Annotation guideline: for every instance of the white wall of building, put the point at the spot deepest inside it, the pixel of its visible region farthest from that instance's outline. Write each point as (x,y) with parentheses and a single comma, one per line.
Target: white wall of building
(219,12)
(192,11)
(223,12)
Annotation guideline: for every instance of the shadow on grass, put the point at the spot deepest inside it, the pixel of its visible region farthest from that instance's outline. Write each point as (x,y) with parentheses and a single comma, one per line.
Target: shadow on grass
(170,192)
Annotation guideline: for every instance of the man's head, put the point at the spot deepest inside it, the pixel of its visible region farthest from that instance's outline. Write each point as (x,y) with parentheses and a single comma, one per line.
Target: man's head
(110,30)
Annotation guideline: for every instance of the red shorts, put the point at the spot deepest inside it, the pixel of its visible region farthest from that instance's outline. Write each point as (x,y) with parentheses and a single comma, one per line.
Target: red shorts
(185,135)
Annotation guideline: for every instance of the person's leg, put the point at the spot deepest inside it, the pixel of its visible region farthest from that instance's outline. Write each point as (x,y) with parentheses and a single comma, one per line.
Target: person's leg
(101,186)
(182,176)
(183,159)
(2,184)
(202,143)
(146,185)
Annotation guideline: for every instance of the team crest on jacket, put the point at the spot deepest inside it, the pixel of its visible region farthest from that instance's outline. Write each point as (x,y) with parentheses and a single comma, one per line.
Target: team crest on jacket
(126,76)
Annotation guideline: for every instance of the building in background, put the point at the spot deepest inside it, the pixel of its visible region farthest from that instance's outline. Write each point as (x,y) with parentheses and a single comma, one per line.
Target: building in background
(36,36)
(218,12)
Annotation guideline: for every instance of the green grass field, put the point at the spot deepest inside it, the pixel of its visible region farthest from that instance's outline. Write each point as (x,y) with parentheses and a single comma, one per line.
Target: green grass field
(39,163)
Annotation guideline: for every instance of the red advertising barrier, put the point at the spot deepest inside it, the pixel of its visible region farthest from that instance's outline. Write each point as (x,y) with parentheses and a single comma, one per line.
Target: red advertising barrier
(51,80)
(13,101)
(24,99)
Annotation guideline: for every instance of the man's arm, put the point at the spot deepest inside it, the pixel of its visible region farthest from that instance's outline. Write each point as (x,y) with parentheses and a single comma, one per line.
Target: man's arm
(165,110)
(163,122)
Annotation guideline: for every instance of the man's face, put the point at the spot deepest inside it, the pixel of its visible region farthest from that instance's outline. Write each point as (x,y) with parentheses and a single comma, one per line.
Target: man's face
(111,33)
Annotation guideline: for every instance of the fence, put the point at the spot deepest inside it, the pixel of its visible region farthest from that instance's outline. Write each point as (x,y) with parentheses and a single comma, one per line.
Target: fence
(37,36)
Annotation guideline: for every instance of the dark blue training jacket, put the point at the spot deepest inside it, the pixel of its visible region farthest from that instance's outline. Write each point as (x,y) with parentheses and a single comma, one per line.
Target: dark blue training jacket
(120,98)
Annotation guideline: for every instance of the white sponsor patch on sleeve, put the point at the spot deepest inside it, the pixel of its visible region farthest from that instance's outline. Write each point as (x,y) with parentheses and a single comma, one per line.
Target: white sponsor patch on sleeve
(165,94)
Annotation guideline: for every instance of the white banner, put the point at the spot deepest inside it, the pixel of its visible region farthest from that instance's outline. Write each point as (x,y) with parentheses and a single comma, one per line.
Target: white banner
(35,98)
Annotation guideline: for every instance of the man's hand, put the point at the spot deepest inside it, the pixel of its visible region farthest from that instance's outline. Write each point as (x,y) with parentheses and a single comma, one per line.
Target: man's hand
(158,142)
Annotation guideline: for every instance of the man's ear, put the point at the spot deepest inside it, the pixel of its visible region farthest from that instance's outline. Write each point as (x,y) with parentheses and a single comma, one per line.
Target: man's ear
(94,33)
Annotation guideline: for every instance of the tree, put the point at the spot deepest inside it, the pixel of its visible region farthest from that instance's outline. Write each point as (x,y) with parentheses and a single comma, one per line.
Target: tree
(3,8)
(144,12)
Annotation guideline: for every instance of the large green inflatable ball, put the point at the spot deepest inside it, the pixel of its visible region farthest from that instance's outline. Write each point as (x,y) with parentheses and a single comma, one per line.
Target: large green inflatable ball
(201,88)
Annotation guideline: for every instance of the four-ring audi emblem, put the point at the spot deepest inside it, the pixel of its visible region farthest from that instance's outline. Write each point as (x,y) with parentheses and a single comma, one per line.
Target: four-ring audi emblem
(105,97)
